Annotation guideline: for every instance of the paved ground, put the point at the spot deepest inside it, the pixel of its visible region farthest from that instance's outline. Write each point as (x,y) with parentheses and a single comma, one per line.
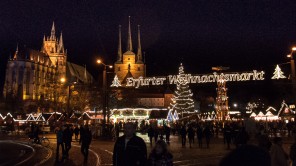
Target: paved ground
(21,153)
(101,152)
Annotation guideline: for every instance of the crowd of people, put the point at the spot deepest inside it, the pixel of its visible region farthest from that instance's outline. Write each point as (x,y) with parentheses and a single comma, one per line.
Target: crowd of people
(64,134)
(264,146)
(130,149)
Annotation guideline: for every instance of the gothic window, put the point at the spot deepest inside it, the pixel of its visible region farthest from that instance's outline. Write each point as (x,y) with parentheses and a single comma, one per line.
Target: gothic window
(13,77)
(20,76)
(139,68)
(27,82)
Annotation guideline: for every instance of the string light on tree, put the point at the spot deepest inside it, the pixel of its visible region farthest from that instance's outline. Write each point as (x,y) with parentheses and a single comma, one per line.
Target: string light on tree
(278,74)
(116,82)
(182,101)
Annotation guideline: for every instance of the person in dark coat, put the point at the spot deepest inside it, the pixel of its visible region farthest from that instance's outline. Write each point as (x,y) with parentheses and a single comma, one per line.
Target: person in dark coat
(129,149)
(76,132)
(183,135)
(293,152)
(242,137)
(67,138)
(227,135)
(208,134)
(160,155)
(199,136)
(60,143)
(36,134)
(167,134)
(81,131)
(150,134)
(247,155)
(156,133)
(85,140)
(190,133)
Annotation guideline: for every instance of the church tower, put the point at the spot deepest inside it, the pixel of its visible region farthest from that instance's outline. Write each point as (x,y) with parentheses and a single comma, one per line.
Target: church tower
(54,48)
(129,64)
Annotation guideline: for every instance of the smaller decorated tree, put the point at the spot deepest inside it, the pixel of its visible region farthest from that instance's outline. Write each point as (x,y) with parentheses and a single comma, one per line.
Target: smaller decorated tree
(116,82)
(278,74)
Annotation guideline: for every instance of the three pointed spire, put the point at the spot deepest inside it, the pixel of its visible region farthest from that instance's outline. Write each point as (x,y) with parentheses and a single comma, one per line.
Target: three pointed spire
(61,43)
(119,54)
(129,37)
(129,43)
(16,53)
(52,35)
(139,53)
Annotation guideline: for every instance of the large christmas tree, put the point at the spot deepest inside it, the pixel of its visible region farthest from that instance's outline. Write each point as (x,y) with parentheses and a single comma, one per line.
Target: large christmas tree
(182,102)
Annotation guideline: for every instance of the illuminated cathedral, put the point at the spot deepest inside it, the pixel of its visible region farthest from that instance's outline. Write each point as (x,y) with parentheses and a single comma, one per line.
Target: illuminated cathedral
(32,75)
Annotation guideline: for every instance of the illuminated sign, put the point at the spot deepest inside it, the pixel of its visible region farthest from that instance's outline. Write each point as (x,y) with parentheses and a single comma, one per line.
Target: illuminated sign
(195,79)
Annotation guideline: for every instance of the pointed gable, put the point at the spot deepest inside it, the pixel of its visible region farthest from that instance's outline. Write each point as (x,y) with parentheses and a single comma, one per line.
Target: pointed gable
(128,75)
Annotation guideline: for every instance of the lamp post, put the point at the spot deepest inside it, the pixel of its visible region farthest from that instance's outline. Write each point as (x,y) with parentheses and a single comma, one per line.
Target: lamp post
(105,98)
(293,75)
(63,80)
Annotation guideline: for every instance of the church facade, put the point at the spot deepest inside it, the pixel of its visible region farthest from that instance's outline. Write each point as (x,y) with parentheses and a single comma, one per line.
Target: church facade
(33,75)
(129,64)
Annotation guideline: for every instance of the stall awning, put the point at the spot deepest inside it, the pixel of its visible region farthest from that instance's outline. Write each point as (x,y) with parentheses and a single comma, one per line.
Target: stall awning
(158,114)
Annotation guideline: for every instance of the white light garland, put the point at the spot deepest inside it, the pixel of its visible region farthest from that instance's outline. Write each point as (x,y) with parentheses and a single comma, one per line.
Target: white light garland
(278,74)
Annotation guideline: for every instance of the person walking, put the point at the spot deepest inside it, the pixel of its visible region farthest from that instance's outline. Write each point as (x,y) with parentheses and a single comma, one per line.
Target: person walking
(85,140)
(277,153)
(227,135)
(129,149)
(293,152)
(81,131)
(156,133)
(242,137)
(150,134)
(67,138)
(190,133)
(208,134)
(183,135)
(36,134)
(60,143)
(76,133)
(199,136)
(167,134)
(160,155)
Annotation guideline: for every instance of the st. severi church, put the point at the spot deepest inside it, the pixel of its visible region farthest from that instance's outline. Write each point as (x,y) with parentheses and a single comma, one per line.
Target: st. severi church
(129,64)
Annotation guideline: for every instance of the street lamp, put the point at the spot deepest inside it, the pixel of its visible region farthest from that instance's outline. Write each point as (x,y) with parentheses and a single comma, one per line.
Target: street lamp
(292,62)
(105,101)
(104,72)
(69,85)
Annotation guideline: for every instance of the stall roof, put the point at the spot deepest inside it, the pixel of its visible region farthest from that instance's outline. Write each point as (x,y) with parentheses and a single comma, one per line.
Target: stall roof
(158,114)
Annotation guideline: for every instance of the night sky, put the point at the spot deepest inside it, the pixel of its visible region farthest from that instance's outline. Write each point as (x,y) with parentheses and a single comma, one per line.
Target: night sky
(244,35)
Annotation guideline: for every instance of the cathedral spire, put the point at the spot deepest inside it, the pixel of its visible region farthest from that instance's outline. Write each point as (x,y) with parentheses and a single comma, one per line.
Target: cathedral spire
(16,53)
(52,35)
(139,53)
(85,74)
(129,38)
(61,44)
(119,56)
